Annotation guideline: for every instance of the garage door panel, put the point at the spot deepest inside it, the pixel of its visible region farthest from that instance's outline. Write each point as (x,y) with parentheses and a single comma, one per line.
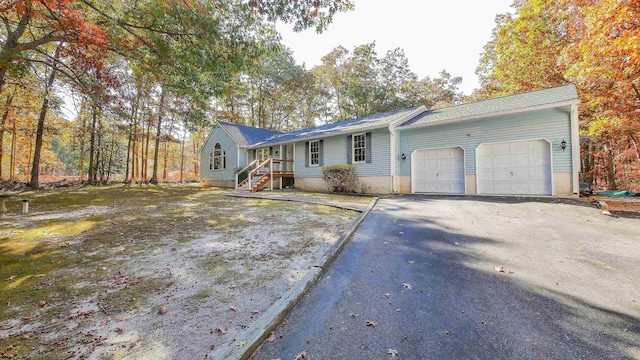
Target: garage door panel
(438,170)
(514,168)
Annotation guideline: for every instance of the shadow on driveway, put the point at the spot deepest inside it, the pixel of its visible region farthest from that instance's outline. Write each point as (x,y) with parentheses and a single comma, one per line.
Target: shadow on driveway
(551,303)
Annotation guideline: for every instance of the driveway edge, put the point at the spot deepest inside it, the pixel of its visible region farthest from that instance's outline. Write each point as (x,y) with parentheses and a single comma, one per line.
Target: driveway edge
(273,317)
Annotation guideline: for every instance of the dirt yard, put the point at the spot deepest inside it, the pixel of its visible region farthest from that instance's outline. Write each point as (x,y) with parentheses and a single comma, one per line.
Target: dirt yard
(150,272)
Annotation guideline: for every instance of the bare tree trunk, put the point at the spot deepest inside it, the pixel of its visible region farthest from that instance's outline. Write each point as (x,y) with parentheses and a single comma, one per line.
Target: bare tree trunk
(145,149)
(35,168)
(154,177)
(166,148)
(195,163)
(12,162)
(184,134)
(611,173)
(113,144)
(92,145)
(99,152)
(135,161)
(5,116)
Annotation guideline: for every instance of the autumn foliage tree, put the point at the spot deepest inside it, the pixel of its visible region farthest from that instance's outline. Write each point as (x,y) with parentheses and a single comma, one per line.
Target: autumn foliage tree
(591,43)
(188,49)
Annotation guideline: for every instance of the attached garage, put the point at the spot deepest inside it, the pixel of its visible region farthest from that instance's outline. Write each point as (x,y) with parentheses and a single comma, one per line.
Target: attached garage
(438,171)
(514,168)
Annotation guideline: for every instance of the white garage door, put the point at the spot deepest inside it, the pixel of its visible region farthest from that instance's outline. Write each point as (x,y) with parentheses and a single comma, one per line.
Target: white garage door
(438,171)
(514,168)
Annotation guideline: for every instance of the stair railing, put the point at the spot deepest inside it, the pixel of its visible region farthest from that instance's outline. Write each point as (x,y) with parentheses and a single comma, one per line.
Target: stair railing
(245,169)
(253,172)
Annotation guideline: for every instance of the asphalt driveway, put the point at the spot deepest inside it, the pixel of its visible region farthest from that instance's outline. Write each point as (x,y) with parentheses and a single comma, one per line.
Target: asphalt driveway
(425,270)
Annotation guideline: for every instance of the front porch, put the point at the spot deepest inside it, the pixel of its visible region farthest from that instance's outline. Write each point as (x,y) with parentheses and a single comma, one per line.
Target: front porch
(259,174)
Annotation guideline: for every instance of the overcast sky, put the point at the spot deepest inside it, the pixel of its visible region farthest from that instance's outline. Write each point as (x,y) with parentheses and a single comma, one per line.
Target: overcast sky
(435,35)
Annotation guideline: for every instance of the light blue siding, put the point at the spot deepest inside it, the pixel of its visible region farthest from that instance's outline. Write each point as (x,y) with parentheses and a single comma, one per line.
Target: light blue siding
(231,150)
(335,152)
(552,124)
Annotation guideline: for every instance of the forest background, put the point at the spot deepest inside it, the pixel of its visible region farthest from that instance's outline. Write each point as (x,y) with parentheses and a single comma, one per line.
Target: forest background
(148,80)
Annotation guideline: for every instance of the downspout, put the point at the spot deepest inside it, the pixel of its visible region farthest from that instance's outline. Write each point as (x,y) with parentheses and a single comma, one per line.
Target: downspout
(393,160)
(575,149)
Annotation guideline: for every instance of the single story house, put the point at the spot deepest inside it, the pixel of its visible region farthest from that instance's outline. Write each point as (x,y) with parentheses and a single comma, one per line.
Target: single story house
(524,144)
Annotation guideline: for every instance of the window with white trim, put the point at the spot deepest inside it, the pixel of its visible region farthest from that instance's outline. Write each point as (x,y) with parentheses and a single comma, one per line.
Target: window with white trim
(211,160)
(314,153)
(359,145)
(219,158)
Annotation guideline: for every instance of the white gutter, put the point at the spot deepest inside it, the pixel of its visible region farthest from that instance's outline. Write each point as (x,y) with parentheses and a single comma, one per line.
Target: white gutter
(490,114)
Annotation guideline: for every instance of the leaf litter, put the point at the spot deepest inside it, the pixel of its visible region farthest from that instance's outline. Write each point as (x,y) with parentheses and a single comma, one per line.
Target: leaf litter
(141,268)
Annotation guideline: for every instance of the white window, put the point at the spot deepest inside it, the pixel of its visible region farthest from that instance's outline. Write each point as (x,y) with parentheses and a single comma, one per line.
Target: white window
(359,145)
(219,158)
(314,153)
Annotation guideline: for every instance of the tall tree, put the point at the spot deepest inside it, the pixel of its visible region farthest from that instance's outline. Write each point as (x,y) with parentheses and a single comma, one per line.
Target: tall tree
(587,42)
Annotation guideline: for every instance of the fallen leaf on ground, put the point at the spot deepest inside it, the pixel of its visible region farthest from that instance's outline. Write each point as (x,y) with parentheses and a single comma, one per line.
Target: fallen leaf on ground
(233,308)
(221,330)
(162,310)
(393,352)
(10,278)
(411,262)
(27,318)
(255,312)
(271,337)
(39,275)
(353,315)
(119,329)
(503,269)
(406,285)
(302,355)
(372,323)
(169,283)
(241,344)
(387,294)
(43,303)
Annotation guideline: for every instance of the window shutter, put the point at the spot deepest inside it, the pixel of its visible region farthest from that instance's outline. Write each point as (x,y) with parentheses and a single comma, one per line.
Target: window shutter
(349,149)
(224,159)
(306,154)
(271,151)
(367,150)
(321,152)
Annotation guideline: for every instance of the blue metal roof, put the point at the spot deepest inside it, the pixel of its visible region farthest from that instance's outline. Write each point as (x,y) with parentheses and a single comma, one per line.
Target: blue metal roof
(245,135)
(347,126)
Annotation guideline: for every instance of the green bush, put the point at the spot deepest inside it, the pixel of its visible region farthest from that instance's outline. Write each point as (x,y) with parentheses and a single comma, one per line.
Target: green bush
(341,178)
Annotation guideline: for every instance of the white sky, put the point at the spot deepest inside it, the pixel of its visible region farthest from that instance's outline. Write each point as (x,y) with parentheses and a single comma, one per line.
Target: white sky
(435,35)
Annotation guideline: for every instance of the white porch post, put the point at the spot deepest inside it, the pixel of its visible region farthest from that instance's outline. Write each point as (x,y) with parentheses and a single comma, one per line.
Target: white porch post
(283,166)
(236,181)
(271,170)
(249,179)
